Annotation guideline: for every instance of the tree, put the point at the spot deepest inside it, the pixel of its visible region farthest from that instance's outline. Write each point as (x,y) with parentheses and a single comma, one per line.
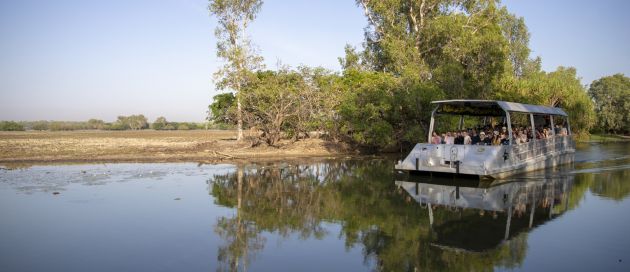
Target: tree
(271,100)
(159,123)
(234,47)
(134,122)
(219,110)
(378,109)
(95,124)
(10,126)
(138,122)
(561,88)
(612,102)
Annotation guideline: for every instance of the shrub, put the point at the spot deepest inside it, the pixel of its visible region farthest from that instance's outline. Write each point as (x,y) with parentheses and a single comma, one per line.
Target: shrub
(39,125)
(11,126)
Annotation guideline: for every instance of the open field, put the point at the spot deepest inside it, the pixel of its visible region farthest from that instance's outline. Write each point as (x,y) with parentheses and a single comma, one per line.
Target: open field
(147,145)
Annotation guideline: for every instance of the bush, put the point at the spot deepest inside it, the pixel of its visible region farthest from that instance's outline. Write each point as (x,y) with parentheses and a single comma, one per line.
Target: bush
(11,126)
(66,126)
(95,124)
(40,125)
(160,123)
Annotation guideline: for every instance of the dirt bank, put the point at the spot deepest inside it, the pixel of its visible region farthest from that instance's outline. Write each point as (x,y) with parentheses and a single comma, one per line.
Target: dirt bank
(150,146)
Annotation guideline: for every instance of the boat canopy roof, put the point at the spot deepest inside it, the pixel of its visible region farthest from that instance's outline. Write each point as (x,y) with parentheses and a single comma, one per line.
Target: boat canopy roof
(491,108)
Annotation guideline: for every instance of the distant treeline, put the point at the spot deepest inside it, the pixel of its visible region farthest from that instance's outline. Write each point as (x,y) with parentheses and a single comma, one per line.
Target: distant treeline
(133,122)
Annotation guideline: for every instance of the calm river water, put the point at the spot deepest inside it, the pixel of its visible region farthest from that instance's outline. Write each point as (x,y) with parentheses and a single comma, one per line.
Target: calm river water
(318,215)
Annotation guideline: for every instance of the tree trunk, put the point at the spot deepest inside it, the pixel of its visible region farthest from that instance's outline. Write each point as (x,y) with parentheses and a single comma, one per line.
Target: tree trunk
(239,114)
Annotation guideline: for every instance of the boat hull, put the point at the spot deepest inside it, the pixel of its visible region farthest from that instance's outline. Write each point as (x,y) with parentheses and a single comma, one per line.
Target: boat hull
(494,162)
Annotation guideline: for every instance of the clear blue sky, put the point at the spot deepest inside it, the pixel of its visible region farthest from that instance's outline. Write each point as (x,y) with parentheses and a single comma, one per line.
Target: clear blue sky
(81,59)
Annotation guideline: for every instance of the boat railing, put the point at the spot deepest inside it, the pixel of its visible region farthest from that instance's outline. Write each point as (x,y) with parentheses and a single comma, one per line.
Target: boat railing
(540,147)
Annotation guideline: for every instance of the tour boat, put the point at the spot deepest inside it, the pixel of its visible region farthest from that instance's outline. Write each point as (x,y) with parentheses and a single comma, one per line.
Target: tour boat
(514,155)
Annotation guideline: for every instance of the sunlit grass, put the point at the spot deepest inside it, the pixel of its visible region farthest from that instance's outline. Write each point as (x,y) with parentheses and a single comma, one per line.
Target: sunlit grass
(608,138)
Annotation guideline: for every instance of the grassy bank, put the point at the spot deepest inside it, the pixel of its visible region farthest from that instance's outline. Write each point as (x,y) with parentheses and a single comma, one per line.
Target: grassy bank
(148,146)
(607,138)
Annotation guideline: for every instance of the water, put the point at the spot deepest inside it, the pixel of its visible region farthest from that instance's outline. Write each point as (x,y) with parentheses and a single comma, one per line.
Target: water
(317,215)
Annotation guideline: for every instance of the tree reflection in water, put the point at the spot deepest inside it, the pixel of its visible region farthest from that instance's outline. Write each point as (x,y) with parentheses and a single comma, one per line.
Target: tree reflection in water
(402,225)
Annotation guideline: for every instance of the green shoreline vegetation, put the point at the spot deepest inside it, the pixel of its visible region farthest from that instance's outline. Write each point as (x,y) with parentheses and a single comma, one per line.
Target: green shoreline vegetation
(414,52)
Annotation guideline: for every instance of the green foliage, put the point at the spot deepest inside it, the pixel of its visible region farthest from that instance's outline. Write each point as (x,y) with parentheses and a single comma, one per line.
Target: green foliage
(183,126)
(40,125)
(133,122)
(95,124)
(379,109)
(561,88)
(159,123)
(10,126)
(612,102)
(63,126)
(271,100)
(222,108)
(233,46)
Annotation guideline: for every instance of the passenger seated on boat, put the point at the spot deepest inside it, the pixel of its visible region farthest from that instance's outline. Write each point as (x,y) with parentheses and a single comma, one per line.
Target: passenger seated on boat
(449,138)
(487,140)
(467,139)
(475,138)
(483,140)
(459,138)
(530,135)
(504,139)
(517,133)
(443,138)
(523,136)
(435,139)
(496,140)
(563,131)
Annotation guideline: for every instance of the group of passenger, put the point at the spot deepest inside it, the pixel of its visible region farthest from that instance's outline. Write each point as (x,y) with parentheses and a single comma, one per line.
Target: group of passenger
(495,136)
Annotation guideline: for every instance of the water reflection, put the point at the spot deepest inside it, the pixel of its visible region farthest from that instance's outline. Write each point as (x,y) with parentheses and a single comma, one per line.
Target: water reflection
(488,214)
(400,225)
(318,215)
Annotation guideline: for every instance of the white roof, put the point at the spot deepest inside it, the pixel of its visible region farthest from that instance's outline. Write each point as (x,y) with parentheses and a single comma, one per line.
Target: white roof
(507,106)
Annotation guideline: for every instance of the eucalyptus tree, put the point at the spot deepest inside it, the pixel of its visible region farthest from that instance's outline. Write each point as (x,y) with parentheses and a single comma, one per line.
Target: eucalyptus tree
(234,47)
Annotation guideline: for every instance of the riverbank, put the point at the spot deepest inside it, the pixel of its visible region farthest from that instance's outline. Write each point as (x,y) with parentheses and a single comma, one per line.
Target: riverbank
(608,138)
(150,146)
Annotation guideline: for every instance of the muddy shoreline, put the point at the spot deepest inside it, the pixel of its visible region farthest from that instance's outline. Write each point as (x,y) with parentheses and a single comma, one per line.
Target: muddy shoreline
(200,146)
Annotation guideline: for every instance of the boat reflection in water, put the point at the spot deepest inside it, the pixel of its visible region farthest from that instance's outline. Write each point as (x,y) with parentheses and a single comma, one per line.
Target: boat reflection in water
(489,213)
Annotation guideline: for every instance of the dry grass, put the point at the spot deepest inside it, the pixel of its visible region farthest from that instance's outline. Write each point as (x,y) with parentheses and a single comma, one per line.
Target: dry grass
(147,145)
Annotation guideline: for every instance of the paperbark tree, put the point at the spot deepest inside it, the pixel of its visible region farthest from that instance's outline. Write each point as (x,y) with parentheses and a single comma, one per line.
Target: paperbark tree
(234,47)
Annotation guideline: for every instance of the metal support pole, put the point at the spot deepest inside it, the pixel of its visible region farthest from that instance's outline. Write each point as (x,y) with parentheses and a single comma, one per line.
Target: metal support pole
(430,214)
(431,125)
(509,126)
(531,119)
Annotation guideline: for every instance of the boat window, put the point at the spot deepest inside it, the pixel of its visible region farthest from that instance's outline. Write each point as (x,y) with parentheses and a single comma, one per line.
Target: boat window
(521,127)
(467,129)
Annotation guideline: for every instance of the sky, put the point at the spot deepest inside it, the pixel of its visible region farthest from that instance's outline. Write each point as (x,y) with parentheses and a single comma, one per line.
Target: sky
(79,59)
